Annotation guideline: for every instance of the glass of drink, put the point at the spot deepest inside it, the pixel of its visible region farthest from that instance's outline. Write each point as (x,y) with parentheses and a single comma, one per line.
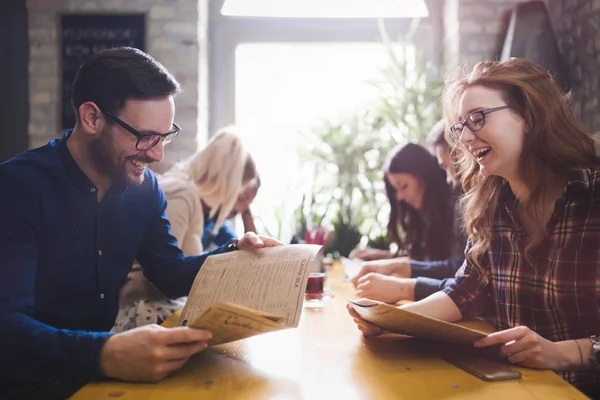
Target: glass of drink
(314,290)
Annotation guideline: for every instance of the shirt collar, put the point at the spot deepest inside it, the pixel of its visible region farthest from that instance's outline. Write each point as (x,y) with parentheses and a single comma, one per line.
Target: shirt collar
(578,180)
(74,173)
(79,179)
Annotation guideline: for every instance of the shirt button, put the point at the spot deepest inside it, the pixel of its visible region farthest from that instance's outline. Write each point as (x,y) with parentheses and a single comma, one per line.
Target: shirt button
(101,295)
(99,252)
(93,190)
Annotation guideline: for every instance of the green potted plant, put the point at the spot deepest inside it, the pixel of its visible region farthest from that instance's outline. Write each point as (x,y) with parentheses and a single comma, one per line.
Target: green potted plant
(348,155)
(410,87)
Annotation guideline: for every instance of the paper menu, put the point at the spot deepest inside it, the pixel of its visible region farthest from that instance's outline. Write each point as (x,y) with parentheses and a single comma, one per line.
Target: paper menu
(351,267)
(397,320)
(229,322)
(272,280)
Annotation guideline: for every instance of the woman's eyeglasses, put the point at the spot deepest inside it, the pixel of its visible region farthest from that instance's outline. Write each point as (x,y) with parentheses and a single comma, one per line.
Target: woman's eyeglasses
(146,141)
(475,121)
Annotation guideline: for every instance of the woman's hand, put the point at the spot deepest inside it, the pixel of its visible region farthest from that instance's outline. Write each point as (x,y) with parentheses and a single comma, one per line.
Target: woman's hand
(370,254)
(395,266)
(388,289)
(521,345)
(251,240)
(367,328)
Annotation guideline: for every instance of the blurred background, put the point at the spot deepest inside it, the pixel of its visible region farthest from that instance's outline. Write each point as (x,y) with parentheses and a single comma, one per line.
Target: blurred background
(321,90)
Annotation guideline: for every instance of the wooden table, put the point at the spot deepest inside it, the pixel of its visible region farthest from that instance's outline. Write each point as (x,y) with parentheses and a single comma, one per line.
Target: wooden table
(326,357)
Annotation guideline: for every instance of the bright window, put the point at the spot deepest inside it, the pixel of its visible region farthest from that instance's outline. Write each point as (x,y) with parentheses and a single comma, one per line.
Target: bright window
(282,90)
(325,8)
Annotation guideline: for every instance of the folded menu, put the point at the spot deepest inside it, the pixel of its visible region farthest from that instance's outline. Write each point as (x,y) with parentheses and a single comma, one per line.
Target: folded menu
(245,293)
(229,322)
(404,322)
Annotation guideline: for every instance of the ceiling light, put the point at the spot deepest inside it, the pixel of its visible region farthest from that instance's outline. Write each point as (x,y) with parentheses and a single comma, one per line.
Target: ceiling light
(326,8)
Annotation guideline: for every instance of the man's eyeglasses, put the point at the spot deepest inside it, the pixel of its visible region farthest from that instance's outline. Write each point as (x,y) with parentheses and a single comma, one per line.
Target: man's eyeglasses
(146,141)
(475,121)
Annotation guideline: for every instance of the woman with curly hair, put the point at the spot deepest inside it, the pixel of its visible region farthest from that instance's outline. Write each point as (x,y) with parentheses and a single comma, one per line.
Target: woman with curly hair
(532,212)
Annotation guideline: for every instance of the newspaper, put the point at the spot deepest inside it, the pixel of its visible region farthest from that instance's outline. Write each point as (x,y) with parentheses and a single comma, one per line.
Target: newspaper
(245,293)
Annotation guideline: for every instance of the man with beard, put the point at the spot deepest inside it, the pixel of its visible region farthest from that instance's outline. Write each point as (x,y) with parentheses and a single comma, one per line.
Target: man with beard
(74,214)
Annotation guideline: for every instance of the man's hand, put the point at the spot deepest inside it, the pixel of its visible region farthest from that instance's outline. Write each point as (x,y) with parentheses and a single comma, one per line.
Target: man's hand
(151,352)
(396,266)
(251,240)
(388,289)
(367,328)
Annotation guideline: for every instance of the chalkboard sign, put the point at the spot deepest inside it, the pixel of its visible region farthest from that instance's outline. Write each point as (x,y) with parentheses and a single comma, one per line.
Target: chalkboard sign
(85,34)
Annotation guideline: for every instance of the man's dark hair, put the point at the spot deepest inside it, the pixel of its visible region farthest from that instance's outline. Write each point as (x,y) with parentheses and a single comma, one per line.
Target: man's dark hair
(436,134)
(112,76)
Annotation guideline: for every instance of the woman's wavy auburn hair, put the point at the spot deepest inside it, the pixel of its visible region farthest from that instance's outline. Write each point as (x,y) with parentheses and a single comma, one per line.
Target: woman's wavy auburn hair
(554,143)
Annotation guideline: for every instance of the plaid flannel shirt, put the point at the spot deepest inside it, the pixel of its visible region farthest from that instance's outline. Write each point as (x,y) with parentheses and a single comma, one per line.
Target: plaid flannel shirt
(558,294)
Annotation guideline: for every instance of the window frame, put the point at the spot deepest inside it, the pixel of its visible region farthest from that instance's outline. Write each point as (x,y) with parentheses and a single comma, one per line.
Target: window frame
(227,32)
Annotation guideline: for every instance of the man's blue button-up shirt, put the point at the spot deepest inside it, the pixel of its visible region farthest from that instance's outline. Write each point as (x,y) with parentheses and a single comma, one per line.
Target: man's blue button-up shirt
(63,258)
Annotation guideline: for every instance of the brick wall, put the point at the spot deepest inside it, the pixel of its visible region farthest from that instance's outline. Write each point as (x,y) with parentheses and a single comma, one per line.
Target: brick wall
(474,30)
(577,24)
(176,37)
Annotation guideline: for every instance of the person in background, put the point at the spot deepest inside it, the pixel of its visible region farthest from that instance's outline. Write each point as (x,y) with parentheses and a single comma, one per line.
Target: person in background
(532,210)
(212,186)
(241,208)
(377,279)
(74,214)
(443,153)
(423,208)
(202,192)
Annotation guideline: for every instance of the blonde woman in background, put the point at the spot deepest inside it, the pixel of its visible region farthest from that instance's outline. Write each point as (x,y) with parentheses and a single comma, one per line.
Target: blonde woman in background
(202,193)
(211,187)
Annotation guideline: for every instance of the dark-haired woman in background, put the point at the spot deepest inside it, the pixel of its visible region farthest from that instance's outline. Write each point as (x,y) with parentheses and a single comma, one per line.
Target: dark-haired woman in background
(424,226)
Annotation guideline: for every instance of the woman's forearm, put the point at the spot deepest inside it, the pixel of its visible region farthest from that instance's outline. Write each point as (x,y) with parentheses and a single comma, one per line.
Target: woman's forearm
(575,354)
(377,254)
(248,221)
(439,305)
